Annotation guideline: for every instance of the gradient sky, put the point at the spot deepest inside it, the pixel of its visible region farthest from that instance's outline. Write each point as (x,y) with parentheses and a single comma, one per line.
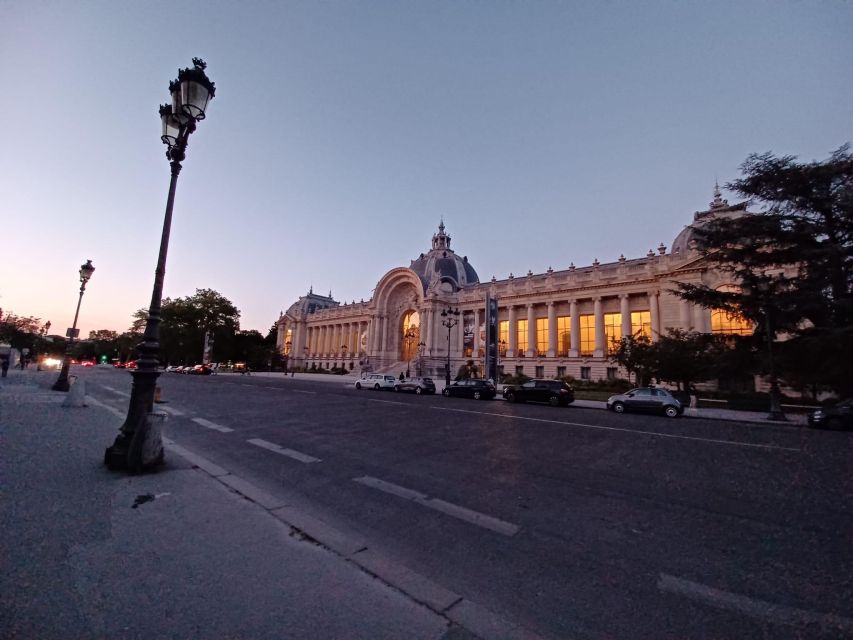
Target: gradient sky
(543,133)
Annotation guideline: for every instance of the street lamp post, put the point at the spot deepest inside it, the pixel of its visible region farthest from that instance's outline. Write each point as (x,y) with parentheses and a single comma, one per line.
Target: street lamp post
(451,319)
(137,445)
(409,337)
(421,347)
(61,383)
(776,412)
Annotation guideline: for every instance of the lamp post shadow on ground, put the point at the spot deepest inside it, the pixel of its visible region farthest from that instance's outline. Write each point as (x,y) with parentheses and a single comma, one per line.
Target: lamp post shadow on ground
(139,443)
(62,383)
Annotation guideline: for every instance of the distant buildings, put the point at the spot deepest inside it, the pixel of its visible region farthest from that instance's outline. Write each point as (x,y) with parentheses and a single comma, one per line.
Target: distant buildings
(561,322)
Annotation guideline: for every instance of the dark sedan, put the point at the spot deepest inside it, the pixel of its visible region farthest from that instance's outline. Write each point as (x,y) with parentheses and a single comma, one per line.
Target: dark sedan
(646,400)
(837,416)
(477,389)
(554,392)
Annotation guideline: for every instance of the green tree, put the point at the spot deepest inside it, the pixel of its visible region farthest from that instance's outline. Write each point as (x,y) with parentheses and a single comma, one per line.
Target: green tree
(793,259)
(637,355)
(683,357)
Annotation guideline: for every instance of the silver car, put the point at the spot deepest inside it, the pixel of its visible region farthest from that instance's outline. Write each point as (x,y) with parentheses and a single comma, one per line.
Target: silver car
(376,381)
(646,400)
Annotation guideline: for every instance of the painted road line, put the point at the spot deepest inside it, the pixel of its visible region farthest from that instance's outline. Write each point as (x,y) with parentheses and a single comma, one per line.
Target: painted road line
(300,391)
(211,425)
(121,393)
(172,411)
(387,401)
(244,384)
(273,388)
(474,517)
(733,443)
(290,453)
(768,611)
(390,487)
(448,508)
(104,405)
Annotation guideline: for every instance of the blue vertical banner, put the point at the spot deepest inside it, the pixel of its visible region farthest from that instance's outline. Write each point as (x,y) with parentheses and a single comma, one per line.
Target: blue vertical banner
(491,338)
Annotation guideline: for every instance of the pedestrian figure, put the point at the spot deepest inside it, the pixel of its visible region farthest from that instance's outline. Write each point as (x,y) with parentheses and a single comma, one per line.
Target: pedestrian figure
(5,366)
(402,377)
(694,396)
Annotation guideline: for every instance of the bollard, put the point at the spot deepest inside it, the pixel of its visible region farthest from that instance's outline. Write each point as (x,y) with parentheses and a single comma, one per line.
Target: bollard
(76,397)
(157,394)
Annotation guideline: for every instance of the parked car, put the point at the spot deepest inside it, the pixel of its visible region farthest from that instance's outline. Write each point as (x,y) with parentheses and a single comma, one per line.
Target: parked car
(87,363)
(416,385)
(200,370)
(172,368)
(376,381)
(554,392)
(130,364)
(837,416)
(648,400)
(477,389)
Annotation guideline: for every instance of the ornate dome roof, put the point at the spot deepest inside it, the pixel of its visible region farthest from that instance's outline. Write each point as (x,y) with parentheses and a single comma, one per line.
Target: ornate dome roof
(443,265)
(718,208)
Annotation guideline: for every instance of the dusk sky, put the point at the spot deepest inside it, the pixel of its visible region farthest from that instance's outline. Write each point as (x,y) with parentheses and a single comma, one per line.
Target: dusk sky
(341,133)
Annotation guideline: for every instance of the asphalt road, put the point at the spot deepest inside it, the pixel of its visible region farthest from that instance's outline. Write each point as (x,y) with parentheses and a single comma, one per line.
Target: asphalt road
(575,523)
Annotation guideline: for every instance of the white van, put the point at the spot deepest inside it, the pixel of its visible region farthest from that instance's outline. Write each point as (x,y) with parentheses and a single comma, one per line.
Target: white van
(375,381)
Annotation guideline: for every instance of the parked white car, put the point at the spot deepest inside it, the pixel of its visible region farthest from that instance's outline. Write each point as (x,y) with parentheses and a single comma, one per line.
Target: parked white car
(376,381)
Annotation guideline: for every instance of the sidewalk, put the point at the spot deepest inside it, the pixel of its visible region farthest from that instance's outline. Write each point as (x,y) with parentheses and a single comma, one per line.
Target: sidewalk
(180,554)
(754,417)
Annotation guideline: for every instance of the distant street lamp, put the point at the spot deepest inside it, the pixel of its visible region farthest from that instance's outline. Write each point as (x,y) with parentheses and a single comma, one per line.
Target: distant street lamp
(61,383)
(137,446)
(776,412)
(451,319)
(409,338)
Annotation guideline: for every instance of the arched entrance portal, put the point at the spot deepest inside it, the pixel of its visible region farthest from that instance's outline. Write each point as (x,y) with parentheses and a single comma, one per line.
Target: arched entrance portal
(410,336)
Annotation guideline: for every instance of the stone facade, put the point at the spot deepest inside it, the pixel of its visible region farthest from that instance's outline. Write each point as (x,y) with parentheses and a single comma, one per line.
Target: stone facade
(560,322)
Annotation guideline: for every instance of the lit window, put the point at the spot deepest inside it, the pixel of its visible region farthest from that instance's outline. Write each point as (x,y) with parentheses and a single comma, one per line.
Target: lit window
(641,324)
(503,336)
(521,337)
(612,330)
(288,341)
(587,345)
(564,334)
(729,323)
(541,336)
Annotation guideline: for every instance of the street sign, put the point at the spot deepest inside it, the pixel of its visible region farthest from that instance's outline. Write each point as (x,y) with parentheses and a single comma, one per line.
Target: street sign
(72,333)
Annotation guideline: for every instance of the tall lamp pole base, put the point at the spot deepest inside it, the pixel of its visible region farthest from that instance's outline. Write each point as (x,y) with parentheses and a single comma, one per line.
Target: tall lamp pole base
(139,444)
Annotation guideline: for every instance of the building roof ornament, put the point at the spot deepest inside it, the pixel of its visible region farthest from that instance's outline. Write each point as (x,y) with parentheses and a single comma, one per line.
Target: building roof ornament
(718,202)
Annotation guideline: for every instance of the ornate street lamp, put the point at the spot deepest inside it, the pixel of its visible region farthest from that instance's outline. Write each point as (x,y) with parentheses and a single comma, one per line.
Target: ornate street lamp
(451,319)
(61,383)
(409,337)
(138,446)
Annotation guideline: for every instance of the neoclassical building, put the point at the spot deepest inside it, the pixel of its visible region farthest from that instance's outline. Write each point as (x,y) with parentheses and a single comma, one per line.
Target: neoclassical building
(561,322)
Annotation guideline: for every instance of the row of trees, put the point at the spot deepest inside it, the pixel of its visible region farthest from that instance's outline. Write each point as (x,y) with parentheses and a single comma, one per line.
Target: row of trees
(184,324)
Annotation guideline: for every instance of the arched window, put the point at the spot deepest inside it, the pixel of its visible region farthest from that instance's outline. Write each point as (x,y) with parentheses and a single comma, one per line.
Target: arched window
(726,323)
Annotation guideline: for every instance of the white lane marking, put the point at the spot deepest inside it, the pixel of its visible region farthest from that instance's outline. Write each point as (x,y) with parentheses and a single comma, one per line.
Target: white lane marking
(474,517)
(633,431)
(121,393)
(300,391)
(243,384)
(390,487)
(768,611)
(211,425)
(273,388)
(172,411)
(290,453)
(448,508)
(386,401)
(104,405)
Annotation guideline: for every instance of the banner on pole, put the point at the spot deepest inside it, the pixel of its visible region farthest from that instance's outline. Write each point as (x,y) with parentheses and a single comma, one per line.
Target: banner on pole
(492,338)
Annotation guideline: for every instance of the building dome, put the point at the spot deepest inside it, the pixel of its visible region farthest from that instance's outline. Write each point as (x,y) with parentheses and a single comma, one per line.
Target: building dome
(441,264)
(718,208)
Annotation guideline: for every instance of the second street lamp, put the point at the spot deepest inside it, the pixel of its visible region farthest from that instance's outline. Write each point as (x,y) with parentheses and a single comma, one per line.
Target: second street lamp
(137,446)
(61,383)
(450,320)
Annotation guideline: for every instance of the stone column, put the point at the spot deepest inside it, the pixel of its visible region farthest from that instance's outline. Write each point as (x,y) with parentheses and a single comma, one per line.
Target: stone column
(684,315)
(574,330)
(702,319)
(552,330)
(460,335)
(625,312)
(384,346)
(428,331)
(599,328)
(476,343)
(531,330)
(655,314)
(513,333)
